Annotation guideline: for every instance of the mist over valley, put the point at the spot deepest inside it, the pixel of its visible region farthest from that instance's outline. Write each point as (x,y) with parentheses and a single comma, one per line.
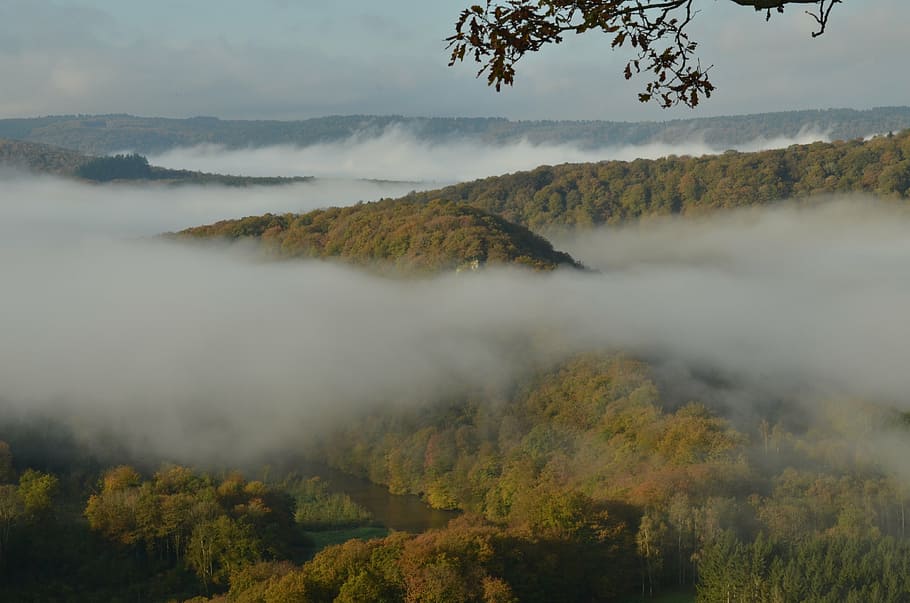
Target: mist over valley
(399,153)
(257,341)
(624,321)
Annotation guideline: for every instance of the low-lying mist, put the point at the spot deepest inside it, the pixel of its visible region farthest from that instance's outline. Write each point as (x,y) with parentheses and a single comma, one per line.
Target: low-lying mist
(807,296)
(209,353)
(31,205)
(398,154)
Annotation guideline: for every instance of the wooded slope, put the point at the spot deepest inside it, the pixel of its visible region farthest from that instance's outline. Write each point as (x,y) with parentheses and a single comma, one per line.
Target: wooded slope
(614,191)
(421,236)
(42,158)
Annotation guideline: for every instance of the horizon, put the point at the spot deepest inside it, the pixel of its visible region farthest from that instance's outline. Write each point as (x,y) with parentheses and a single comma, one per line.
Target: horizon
(451,117)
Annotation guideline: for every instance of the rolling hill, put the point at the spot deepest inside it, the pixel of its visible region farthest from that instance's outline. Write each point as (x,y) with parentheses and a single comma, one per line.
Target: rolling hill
(611,192)
(403,236)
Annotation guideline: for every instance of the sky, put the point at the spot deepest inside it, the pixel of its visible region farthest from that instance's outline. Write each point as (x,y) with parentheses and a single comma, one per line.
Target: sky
(287,59)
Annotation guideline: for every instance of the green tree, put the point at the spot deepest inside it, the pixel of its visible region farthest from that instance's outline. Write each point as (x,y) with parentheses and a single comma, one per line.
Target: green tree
(117,167)
(37,491)
(11,509)
(221,546)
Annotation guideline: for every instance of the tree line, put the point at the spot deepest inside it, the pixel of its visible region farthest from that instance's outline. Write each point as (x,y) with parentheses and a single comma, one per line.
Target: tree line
(613,192)
(134,166)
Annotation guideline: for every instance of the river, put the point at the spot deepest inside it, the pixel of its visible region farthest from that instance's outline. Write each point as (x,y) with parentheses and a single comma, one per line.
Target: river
(406,513)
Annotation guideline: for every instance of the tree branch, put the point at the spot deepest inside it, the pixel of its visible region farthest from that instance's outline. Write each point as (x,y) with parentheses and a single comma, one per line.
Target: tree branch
(766,4)
(497,35)
(821,17)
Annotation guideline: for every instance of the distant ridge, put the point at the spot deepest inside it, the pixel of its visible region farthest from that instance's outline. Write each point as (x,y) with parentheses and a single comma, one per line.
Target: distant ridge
(102,134)
(48,159)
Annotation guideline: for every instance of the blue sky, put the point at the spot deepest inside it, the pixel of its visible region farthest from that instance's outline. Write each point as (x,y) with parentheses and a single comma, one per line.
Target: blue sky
(284,59)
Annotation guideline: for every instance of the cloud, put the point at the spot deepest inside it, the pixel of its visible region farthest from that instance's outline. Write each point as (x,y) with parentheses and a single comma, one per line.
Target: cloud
(399,154)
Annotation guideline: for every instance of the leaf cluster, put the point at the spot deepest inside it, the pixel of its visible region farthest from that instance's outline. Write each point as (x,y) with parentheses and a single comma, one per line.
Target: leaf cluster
(498,35)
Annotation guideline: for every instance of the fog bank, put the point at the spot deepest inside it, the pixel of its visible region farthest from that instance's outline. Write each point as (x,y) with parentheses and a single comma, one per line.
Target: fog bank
(398,154)
(207,353)
(76,210)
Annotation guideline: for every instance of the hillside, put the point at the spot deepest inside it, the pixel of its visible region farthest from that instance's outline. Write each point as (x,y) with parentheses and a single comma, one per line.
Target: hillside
(436,235)
(47,159)
(592,453)
(41,158)
(613,191)
(100,134)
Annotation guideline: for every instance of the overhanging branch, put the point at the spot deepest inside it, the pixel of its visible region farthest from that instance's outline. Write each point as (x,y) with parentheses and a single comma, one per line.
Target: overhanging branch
(498,33)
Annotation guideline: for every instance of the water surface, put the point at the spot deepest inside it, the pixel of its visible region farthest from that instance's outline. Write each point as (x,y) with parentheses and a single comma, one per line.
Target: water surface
(406,513)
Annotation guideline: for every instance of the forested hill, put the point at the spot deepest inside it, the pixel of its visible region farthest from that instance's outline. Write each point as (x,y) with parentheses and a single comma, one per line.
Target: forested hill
(613,191)
(47,159)
(42,158)
(394,234)
(100,134)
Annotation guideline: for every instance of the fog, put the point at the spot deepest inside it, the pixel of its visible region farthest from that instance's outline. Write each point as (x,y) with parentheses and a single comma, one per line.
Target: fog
(209,353)
(397,154)
(793,298)
(32,205)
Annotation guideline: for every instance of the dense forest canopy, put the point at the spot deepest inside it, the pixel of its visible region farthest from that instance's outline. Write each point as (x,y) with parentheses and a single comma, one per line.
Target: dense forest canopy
(118,167)
(394,234)
(583,482)
(612,192)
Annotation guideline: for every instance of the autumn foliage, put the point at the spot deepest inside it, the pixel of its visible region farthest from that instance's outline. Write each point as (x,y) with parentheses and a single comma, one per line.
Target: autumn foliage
(393,235)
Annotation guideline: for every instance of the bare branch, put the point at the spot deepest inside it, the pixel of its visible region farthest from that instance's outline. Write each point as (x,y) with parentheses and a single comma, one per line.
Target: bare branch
(821,17)
(766,4)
